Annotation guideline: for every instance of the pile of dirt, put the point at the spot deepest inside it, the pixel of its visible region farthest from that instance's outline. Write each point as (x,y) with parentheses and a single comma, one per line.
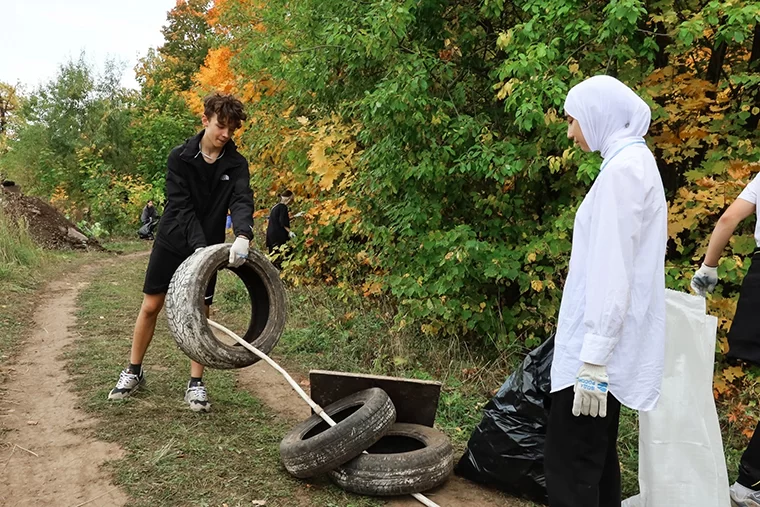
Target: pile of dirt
(47,226)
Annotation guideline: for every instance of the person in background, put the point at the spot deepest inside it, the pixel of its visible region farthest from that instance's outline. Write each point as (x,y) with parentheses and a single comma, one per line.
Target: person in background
(744,335)
(278,228)
(610,341)
(205,177)
(149,213)
(149,218)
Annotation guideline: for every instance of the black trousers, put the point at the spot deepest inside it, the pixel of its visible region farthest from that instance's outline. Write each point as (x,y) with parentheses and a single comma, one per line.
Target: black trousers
(749,469)
(580,459)
(744,336)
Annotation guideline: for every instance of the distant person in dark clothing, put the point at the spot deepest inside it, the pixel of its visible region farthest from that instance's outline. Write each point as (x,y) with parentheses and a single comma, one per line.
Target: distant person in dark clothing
(149,219)
(149,213)
(278,229)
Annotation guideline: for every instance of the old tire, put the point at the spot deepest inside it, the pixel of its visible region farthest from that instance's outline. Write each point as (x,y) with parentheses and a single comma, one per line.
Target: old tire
(409,459)
(185,308)
(313,448)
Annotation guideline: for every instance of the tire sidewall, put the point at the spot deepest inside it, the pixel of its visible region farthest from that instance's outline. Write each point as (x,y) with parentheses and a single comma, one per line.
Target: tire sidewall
(185,308)
(400,473)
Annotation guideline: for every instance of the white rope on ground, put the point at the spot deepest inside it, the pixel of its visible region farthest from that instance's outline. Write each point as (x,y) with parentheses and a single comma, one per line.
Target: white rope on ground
(317,409)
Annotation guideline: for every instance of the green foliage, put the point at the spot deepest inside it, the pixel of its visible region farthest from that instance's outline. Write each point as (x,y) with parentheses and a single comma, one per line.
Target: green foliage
(9,105)
(425,139)
(186,40)
(97,150)
(18,253)
(465,186)
(74,145)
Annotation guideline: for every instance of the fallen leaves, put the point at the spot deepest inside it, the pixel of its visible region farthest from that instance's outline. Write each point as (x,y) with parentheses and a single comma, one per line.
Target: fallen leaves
(733,372)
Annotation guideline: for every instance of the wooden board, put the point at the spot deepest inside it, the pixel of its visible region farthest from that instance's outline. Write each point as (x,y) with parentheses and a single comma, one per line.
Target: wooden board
(416,401)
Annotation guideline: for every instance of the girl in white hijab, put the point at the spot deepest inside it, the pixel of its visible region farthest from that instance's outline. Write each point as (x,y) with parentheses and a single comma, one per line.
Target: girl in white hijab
(610,341)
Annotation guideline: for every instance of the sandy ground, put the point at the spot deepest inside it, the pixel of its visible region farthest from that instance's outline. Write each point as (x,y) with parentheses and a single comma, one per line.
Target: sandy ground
(46,457)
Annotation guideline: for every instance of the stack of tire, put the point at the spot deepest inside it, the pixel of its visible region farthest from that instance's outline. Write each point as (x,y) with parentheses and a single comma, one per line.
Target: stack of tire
(400,458)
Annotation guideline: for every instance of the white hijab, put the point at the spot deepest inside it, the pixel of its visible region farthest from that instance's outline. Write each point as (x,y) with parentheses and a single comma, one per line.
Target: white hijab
(610,114)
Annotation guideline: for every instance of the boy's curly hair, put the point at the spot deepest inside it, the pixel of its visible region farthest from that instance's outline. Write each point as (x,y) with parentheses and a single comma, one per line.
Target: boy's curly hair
(227,108)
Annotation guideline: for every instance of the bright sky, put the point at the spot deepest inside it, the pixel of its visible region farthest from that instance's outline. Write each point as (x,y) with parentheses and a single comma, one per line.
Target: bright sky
(36,36)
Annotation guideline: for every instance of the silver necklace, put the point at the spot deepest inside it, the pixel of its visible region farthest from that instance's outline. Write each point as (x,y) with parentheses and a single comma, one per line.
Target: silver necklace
(208,156)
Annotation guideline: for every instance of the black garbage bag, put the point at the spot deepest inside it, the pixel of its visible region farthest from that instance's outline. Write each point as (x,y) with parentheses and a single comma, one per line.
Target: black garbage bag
(506,450)
(146,231)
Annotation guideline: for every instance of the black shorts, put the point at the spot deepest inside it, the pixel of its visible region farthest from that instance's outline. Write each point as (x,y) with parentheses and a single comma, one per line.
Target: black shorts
(161,267)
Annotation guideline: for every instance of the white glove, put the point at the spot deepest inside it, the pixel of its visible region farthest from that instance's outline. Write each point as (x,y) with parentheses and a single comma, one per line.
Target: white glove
(292,235)
(704,280)
(299,214)
(591,391)
(238,252)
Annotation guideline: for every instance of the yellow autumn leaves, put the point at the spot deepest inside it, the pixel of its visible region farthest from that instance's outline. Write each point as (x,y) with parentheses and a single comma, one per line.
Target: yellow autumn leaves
(332,152)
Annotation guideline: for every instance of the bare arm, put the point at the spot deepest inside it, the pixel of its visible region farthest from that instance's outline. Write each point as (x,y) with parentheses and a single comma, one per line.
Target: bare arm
(731,218)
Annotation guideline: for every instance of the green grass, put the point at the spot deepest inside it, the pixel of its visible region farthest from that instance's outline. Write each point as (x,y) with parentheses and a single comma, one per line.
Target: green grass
(328,330)
(126,245)
(18,253)
(628,451)
(171,452)
(24,268)
(176,457)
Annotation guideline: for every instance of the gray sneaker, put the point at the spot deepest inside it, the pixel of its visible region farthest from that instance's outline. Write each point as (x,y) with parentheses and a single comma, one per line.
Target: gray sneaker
(126,385)
(197,398)
(742,496)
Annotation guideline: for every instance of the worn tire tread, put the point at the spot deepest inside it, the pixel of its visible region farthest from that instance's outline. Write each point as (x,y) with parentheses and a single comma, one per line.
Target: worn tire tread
(185,308)
(400,473)
(341,443)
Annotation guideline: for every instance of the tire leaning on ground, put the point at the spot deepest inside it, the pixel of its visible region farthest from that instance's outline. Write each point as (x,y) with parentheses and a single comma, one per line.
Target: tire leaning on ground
(313,447)
(185,307)
(409,459)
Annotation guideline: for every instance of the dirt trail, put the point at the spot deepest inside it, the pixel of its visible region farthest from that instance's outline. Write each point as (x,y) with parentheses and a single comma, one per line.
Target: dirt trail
(271,388)
(47,459)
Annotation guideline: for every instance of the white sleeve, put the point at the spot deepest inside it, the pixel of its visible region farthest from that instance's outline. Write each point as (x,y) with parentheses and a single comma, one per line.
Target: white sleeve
(614,235)
(749,193)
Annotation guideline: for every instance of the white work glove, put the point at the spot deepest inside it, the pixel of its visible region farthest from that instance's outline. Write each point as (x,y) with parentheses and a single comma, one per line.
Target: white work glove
(238,252)
(299,214)
(704,280)
(591,387)
(292,235)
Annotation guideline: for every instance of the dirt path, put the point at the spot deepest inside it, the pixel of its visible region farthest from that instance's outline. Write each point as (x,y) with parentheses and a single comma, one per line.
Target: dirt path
(47,458)
(271,388)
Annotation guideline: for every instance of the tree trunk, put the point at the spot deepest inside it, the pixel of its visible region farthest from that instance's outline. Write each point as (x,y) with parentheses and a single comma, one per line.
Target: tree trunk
(714,70)
(754,66)
(715,66)
(671,179)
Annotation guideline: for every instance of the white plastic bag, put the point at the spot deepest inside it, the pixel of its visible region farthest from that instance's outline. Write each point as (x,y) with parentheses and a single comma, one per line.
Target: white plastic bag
(681,460)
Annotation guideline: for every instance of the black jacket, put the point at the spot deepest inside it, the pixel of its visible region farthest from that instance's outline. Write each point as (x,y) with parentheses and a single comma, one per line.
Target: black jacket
(148,214)
(198,196)
(279,219)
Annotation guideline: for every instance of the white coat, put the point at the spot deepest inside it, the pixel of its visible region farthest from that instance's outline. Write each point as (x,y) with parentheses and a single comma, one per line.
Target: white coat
(613,304)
